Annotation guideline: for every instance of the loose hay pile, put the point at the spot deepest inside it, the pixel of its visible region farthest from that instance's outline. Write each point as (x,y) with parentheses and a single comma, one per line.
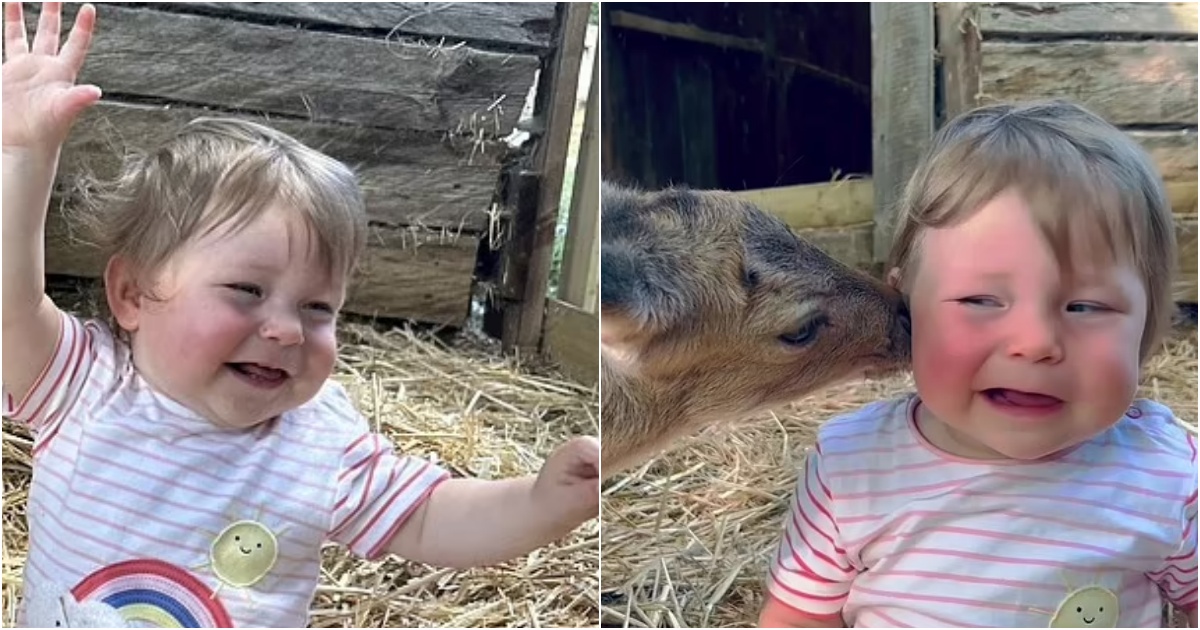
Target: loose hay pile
(473,413)
(687,538)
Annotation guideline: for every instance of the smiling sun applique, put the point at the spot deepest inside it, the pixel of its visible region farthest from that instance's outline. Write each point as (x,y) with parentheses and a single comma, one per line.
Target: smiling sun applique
(242,555)
(1091,606)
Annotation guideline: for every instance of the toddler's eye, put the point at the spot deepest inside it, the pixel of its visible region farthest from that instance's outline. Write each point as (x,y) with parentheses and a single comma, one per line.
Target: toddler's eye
(1086,307)
(979,300)
(321,307)
(243,287)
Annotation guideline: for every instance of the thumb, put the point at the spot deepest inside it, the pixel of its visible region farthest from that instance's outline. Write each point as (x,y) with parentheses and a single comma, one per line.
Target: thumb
(74,101)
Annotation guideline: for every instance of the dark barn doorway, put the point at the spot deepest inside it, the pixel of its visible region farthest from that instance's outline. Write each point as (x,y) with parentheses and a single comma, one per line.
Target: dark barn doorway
(735,96)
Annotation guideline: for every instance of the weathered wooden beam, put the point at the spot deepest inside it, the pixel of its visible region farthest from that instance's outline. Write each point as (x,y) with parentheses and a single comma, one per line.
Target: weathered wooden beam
(958,47)
(406,273)
(556,97)
(902,47)
(1128,83)
(525,24)
(832,204)
(573,340)
(579,277)
(409,178)
(1087,19)
(200,60)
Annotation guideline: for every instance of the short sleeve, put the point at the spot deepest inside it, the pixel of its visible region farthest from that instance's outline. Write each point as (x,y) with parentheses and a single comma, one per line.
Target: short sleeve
(69,369)
(1177,575)
(377,490)
(810,572)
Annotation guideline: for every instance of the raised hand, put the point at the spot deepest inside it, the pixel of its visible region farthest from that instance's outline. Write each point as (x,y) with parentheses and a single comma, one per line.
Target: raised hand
(41,100)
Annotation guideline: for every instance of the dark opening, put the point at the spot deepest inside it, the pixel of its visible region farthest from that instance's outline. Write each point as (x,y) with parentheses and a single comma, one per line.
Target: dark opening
(735,96)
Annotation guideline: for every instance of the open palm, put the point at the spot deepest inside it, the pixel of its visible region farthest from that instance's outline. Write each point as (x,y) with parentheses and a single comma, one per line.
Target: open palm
(41,100)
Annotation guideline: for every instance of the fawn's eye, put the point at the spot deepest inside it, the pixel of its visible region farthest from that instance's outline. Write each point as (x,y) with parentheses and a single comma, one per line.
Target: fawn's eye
(806,334)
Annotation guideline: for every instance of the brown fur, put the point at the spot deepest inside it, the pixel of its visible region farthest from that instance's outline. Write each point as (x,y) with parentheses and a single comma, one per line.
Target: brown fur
(697,289)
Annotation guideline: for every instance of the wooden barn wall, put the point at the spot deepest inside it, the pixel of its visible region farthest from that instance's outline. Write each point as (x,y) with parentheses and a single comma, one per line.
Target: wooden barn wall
(1134,64)
(416,97)
(735,96)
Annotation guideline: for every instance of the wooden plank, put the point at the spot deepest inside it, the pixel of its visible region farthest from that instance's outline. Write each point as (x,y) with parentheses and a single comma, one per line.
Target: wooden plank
(852,245)
(1185,278)
(958,44)
(408,177)
(817,205)
(1147,82)
(406,273)
(573,340)
(579,277)
(556,92)
(902,47)
(1087,19)
(1174,152)
(317,76)
(415,274)
(522,23)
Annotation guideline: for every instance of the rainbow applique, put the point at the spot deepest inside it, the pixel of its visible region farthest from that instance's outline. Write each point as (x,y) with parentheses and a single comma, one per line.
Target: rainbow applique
(154,592)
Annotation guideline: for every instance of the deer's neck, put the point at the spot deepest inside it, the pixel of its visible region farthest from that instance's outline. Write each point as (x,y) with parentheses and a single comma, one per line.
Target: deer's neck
(641,416)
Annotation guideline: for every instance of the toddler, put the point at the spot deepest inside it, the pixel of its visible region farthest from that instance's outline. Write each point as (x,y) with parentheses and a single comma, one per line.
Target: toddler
(192,457)
(1022,485)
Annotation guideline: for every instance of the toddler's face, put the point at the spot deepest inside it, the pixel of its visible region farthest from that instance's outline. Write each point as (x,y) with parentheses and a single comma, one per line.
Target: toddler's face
(246,328)
(1011,356)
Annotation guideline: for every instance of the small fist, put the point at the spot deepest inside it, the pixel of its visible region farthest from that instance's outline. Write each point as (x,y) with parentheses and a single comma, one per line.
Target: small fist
(569,482)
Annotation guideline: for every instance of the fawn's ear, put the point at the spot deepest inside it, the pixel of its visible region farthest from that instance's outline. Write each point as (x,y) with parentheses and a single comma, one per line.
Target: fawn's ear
(639,297)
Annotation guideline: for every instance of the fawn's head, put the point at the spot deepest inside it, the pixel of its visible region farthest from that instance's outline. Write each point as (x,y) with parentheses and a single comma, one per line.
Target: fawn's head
(703,292)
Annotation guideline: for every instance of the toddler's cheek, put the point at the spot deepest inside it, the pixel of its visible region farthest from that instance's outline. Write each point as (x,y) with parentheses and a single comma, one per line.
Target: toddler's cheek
(946,355)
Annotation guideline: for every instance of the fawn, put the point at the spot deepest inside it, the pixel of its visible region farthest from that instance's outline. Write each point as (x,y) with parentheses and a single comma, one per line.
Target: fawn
(712,309)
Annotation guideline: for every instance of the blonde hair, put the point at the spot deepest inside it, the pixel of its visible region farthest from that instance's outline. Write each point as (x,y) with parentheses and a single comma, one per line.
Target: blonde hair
(220,173)
(1087,183)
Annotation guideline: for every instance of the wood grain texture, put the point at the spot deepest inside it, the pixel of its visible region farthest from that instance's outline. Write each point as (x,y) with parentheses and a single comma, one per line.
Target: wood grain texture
(556,105)
(521,23)
(573,340)
(902,46)
(1125,82)
(958,44)
(312,75)
(817,205)
(1174,153)
(852,245)
(1087,18)
(406,273)
(408,177)
(1185,278)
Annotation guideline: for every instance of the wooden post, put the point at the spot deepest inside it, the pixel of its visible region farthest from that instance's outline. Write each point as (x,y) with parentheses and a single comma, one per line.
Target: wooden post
(555,106)
(902,49)
(581,253)
(958,47)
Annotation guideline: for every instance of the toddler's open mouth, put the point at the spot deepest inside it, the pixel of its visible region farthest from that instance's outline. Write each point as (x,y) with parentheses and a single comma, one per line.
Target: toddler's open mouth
(1022,400)
(259,375)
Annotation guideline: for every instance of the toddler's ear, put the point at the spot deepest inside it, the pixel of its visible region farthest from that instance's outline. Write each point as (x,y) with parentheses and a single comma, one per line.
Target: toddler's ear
(123,292)
(893,278)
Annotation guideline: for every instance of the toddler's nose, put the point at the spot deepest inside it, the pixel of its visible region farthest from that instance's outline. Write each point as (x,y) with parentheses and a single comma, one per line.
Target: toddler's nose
(285,329)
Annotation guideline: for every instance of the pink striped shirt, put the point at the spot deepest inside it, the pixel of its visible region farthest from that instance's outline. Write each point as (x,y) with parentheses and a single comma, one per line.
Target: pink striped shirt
(133,493)
(890,532)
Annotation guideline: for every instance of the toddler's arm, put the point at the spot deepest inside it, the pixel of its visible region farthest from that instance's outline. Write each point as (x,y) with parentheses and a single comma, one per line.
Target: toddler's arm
(472,522)
(778,615)
(41,101)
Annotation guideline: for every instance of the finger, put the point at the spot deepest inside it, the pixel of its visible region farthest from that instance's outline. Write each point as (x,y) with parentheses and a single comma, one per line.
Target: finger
(14,30)
(80,39)
(45,41)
